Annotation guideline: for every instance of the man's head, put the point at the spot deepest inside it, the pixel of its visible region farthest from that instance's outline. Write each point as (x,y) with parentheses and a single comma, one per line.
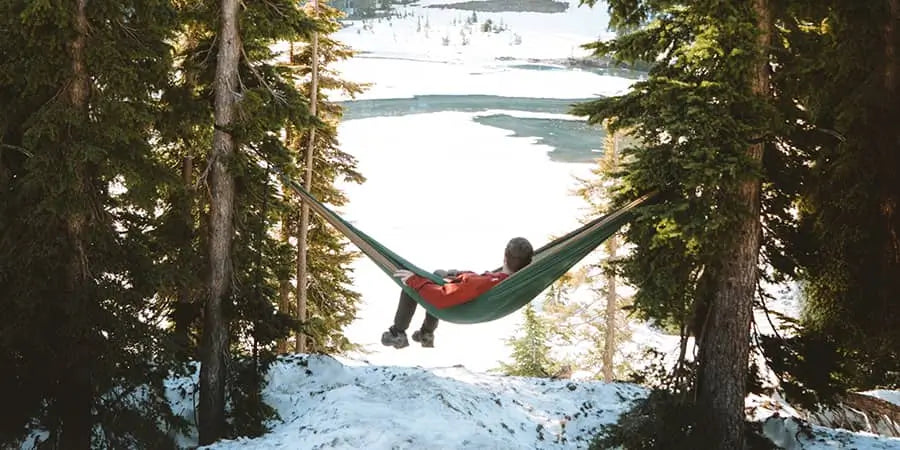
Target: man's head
(518,254)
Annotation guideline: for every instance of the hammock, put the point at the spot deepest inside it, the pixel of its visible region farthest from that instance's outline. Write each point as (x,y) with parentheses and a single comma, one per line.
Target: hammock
(549,263)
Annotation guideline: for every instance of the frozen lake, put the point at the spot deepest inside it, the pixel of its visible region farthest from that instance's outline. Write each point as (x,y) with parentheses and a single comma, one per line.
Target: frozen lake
(544,120)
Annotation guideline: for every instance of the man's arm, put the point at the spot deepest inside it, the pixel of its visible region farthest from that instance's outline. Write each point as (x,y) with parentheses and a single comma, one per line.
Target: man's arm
(469,286)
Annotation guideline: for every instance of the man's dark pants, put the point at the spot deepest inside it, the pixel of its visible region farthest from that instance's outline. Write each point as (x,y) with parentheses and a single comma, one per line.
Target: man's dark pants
(407,307)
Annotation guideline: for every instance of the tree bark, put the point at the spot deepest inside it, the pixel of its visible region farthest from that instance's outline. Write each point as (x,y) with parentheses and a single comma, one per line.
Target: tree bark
(76,389)
(183,314)
(609,347)
(284,285)
(612,248)
(284,305)
(725,347)
(221,229)
(302,244)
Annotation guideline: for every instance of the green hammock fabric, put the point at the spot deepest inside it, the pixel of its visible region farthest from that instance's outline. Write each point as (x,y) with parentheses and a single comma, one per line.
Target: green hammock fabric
(550,262)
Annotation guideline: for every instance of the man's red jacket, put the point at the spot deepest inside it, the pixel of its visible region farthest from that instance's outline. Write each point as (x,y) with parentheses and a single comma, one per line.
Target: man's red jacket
(464,287)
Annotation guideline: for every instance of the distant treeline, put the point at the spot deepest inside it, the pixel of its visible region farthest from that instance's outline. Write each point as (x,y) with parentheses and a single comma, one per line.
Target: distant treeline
(540,6)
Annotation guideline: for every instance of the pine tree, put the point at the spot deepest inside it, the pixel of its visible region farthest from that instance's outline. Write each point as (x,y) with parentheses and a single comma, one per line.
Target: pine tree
(221,231)
(699,117)
(597,319)
(531,351)
(265,99)
(78,268)
(597,192)
(303,227)
(183,141)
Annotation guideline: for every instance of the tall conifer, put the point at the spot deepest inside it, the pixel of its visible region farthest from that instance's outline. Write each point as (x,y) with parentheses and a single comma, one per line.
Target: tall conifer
(700,117)
(82,346)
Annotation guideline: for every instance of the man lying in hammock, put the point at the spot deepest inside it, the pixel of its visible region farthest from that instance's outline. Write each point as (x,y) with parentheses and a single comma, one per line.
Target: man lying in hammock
(462,287)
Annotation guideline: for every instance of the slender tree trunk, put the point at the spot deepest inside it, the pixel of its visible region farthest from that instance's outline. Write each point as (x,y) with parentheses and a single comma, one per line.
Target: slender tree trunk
(221,230)
(284,295)
(725,347)
(76,396)
(183,313)
(284,285)
(609,347)
(612,248)
(302,244)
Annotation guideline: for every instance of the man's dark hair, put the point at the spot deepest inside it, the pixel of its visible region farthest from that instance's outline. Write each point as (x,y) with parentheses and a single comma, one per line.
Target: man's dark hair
(518,253)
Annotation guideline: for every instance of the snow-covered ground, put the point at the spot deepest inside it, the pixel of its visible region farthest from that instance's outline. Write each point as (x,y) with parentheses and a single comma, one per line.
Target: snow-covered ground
(888,396)
(331,403)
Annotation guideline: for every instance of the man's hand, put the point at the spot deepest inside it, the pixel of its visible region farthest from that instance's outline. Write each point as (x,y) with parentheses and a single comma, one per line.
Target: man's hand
(403,275)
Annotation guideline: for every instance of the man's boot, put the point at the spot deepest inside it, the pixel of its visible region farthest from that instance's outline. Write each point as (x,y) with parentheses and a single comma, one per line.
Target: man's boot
(393,338)
(426,338)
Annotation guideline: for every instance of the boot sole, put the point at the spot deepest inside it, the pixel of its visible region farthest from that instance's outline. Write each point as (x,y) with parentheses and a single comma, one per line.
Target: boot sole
(394,344)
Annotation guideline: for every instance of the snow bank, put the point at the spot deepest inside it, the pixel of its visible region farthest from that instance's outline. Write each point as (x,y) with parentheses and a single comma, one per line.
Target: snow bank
(339,403)
(888,396)
(329,403)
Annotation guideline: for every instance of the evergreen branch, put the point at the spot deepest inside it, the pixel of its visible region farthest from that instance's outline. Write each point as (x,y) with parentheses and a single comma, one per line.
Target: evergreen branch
(832,133)
(768,361)
(209,52)
(205,174)
(130,31)
(276,95)
(762,304)
(276,9)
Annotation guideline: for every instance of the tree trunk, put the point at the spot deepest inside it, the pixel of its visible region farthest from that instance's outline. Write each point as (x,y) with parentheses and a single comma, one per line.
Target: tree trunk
(612,248)
(76,395)
(302,244)
(184,313)
(725,347)
(221,230)
(609,347)
(284,304)
(284,285)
